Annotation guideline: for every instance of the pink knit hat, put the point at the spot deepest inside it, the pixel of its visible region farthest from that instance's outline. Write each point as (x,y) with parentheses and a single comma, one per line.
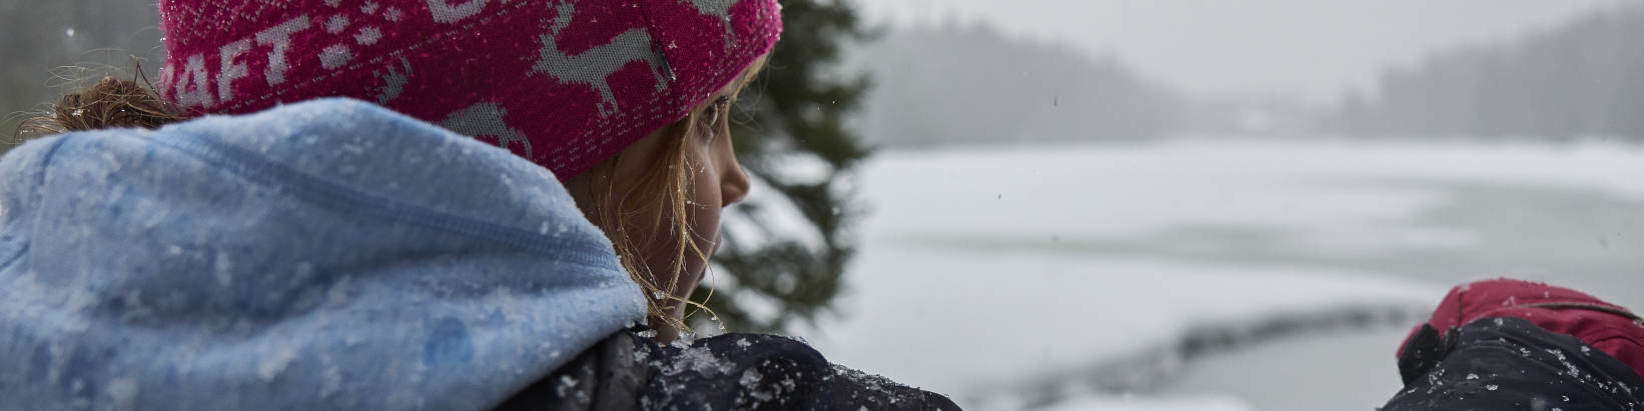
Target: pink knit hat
(563,83)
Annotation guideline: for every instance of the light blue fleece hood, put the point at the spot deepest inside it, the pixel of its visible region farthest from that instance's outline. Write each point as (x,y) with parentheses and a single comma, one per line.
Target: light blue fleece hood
(331,254)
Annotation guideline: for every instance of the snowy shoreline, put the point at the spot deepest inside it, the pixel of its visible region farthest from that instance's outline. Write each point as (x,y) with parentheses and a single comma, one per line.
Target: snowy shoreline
(985,272)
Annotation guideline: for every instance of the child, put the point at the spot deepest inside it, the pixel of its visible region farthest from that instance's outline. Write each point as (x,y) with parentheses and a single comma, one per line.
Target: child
(306,225)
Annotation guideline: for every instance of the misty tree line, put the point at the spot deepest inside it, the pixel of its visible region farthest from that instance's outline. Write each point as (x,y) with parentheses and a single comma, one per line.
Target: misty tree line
(959,84)
(1583,79)
(972,84)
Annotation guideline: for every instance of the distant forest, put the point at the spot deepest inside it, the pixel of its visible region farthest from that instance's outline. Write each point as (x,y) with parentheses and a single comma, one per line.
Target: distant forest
(956,84)
(972,84)
(1583,79)
(965,85)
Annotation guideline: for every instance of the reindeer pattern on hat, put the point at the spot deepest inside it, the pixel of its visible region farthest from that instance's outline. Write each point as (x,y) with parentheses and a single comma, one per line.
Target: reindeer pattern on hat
(563,92)
(595,66)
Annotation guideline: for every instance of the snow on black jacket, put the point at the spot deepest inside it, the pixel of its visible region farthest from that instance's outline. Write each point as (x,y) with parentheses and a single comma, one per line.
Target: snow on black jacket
(1507,363)
(628,371)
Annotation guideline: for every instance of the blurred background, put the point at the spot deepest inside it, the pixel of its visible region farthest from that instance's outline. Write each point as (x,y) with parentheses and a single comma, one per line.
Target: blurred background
(1113,204)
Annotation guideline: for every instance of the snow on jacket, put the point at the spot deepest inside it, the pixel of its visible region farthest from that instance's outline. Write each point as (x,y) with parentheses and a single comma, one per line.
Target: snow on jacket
(629,371)
(1512,344)
(1509,363)
(330,254)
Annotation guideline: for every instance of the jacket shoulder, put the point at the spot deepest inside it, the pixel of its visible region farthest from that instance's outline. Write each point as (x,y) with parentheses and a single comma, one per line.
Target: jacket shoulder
(733,371)
(1509,363)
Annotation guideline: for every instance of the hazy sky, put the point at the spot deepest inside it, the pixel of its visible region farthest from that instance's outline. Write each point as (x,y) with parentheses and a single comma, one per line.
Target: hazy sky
(1307,48)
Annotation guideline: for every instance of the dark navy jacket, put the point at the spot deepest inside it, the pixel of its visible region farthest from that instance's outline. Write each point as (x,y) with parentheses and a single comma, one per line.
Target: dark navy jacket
(728,372)
(1507,363)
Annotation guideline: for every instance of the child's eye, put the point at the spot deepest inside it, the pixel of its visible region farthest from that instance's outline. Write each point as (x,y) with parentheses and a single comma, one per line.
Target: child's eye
(719,106)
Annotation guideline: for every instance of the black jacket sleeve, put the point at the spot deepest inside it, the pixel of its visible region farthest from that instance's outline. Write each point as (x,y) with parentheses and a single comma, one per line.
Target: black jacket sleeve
(1507,363)
(729,372)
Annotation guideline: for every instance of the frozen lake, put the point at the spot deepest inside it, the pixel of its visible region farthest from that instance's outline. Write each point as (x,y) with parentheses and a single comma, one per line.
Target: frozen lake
(1075,277)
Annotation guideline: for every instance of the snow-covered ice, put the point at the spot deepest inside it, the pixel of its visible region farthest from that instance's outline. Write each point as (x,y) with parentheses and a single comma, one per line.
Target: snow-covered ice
(1133,403)
(989,267)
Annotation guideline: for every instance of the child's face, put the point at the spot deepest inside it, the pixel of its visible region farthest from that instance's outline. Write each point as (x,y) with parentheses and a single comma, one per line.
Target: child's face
(716,181)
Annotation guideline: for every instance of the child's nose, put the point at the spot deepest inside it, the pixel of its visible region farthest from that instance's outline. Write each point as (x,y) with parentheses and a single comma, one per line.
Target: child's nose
(734,185)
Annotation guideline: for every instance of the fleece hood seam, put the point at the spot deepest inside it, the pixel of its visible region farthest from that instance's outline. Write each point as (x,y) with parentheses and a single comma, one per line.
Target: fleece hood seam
(328,194)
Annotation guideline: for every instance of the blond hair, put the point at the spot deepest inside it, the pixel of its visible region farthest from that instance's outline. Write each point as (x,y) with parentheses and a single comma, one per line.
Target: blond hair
(108,103)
